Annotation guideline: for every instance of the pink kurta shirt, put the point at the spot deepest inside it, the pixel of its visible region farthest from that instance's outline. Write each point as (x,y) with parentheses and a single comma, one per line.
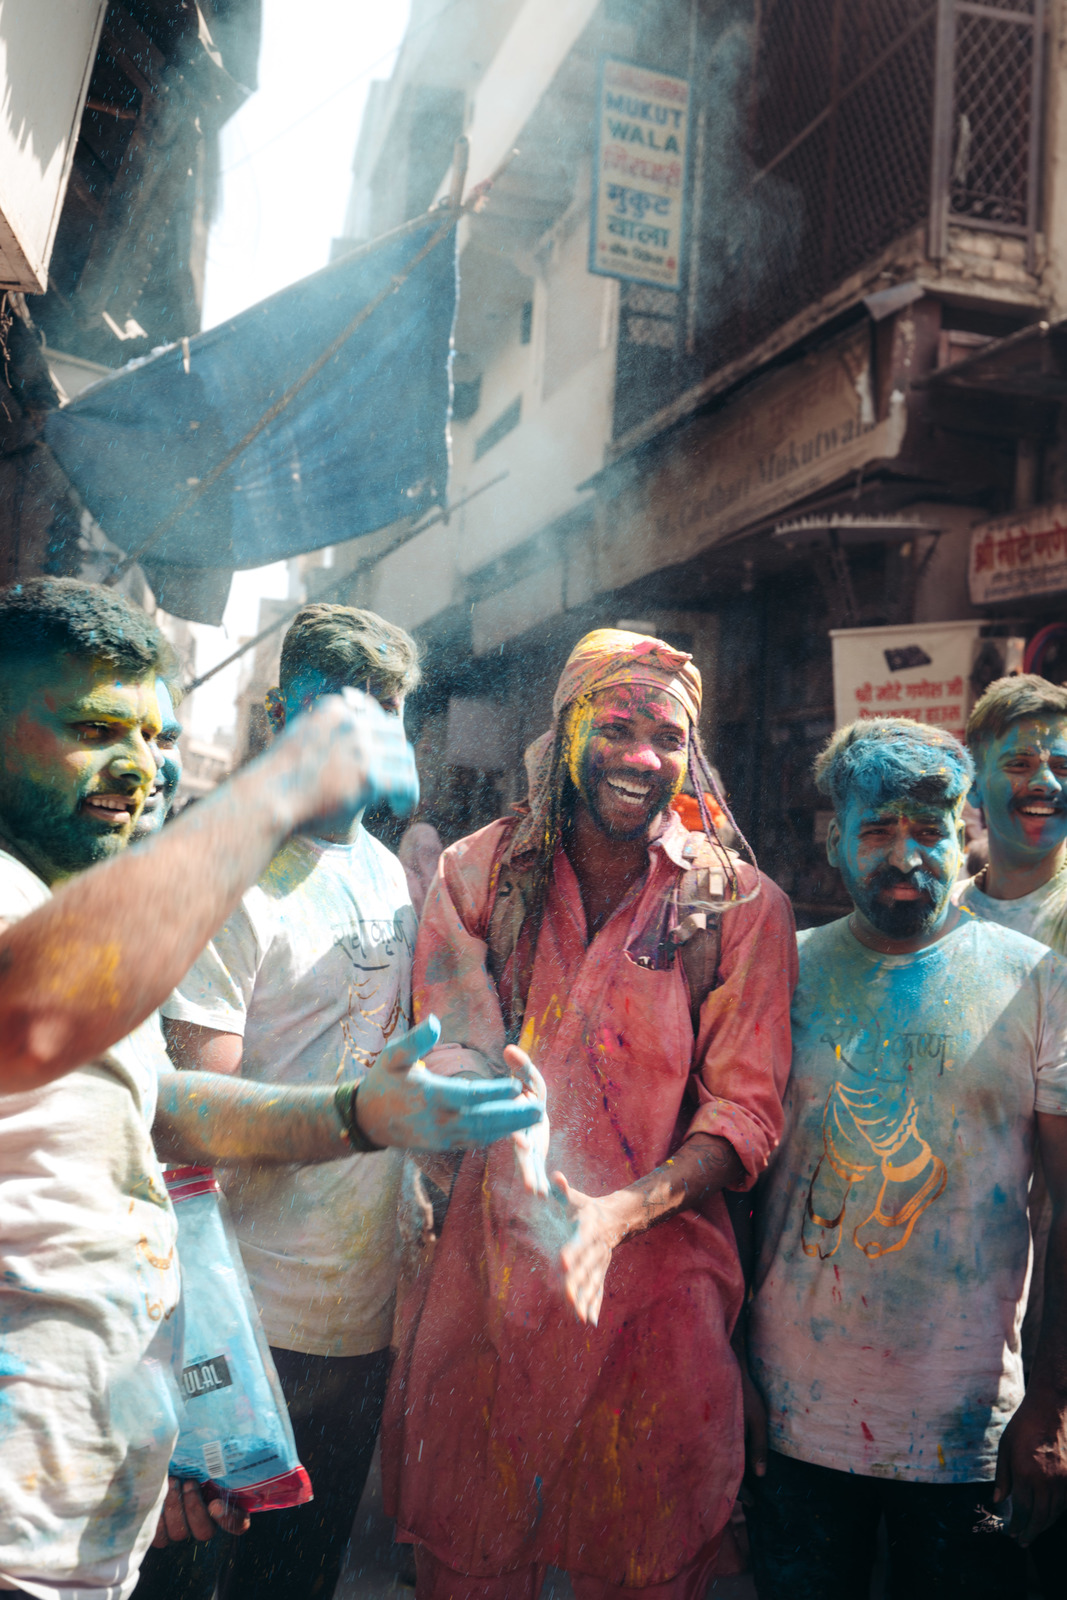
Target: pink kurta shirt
(515,1435)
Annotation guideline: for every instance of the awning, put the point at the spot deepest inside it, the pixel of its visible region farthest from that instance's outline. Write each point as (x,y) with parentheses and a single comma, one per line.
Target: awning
(360,444)
(1030,364)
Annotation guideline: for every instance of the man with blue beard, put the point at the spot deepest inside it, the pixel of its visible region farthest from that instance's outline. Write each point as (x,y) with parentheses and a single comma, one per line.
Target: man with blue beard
(929,1056)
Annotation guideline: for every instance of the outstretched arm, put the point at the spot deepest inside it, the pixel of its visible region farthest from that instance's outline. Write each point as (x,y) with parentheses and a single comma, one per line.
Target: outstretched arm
(80,973)
(1032,1460)
(205,1117)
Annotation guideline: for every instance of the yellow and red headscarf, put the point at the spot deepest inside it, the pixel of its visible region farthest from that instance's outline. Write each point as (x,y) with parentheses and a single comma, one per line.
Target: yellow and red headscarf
(608,657)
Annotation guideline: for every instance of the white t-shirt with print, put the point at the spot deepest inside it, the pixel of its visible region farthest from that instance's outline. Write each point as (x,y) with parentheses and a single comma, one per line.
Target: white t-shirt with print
(88,1335)
(893,1238)
(313,969)
(1041,915)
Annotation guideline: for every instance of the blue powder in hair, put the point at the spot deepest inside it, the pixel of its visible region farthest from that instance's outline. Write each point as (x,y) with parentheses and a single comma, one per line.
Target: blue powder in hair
(887,765)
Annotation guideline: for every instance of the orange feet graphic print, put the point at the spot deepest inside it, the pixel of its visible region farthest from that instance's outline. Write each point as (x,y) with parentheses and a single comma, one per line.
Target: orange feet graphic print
(871,1136)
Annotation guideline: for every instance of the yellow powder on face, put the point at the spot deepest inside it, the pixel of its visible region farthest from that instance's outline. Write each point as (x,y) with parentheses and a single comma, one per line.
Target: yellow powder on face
(576,731)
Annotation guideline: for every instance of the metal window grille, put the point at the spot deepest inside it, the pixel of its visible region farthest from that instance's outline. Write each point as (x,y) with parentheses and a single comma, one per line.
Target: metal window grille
(872,111)
(865,119)
(842,123)
(987,128)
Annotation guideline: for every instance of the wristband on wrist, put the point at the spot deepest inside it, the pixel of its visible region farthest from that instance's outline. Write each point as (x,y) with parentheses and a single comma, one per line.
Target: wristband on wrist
(345,1101)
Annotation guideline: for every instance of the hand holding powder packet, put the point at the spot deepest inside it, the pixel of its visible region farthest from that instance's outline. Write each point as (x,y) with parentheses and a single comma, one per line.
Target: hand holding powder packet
(234,1427)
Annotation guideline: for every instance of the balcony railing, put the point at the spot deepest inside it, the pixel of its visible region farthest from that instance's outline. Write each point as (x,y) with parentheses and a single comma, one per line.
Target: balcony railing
(824,134)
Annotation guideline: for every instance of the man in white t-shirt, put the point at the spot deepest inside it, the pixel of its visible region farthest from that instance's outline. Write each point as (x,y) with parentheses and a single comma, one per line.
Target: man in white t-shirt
(305,983)
(88,1274)
(1017,736)
(929,1054)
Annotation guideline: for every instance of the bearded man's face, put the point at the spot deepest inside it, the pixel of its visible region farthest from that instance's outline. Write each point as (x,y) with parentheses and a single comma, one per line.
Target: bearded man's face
(77,760)
(627,752)
(898,861)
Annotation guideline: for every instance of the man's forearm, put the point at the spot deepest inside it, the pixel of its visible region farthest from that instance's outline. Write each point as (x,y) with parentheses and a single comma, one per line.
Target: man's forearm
(704,1165)
(81,972)
(203,1117)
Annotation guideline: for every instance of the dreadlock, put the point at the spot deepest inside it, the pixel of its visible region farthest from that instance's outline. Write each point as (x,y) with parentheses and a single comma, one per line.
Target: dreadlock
(704,781)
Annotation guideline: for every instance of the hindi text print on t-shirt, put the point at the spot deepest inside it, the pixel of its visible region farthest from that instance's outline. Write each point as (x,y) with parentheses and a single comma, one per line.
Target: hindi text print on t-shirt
(894,1244)
(88,1335)
(314,970)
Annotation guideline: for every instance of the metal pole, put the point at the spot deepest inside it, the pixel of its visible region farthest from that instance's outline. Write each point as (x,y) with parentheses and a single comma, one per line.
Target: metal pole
(941,132)
(1033,165)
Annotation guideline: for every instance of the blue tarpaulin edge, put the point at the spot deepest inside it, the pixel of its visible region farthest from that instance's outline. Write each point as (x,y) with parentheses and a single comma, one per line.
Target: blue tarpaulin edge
(364,444)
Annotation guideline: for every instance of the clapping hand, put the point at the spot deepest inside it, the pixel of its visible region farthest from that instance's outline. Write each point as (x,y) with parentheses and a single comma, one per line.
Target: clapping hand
(586,1256)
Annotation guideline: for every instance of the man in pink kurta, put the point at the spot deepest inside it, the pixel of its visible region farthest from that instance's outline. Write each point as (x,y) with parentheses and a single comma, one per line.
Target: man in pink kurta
(518,1435)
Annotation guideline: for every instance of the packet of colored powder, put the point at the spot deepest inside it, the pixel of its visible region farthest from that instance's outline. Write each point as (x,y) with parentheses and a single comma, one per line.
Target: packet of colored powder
(234,1429)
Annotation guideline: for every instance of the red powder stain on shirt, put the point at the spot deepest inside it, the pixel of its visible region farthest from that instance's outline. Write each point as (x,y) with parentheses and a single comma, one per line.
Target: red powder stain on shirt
(867,1434)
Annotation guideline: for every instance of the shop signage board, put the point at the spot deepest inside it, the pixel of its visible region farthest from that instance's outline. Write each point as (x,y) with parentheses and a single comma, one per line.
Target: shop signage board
(923,673)
(1020,555)
(793,433)
(639,175)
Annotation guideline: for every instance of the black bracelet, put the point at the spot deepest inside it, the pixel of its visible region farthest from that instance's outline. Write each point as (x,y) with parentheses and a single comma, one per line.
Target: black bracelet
(345,1101)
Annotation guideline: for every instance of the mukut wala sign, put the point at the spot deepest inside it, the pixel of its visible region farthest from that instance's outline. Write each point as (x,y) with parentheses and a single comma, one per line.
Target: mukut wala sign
(639,176)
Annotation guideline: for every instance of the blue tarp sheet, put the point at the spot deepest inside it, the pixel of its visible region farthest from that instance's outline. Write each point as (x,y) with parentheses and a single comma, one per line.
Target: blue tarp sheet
(364,444)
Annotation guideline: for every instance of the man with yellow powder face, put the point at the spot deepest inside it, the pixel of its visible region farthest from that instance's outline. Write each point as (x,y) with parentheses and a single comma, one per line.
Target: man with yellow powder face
(88,1271)
(565,1393)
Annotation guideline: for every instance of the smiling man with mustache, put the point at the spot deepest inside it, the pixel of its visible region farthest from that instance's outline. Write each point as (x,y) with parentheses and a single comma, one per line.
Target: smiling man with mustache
(1017,734)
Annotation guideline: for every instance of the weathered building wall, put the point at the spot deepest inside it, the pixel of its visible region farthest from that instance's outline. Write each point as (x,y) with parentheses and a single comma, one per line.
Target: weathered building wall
(646,480)
(126,272)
